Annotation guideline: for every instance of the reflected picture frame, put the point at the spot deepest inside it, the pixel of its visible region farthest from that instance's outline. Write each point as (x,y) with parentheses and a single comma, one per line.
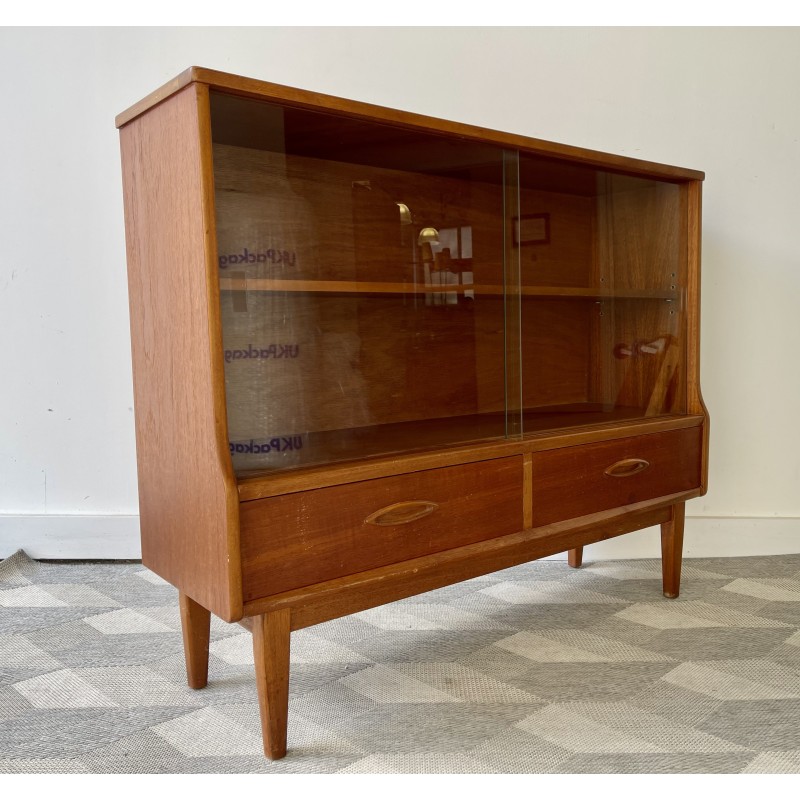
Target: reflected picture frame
(530,229)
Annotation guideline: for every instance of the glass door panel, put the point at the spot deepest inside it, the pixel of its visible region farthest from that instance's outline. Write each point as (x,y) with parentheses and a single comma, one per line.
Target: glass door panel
(362,274)
(603,288)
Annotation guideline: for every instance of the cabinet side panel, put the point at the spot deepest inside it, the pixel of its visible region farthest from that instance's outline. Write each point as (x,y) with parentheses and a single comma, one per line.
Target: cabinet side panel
(187,493)
(694,191)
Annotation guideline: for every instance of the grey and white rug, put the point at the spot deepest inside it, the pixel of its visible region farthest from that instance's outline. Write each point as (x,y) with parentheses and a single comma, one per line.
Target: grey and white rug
(536,669)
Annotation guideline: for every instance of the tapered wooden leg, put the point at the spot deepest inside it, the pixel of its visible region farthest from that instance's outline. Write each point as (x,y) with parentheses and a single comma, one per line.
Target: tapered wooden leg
(196,625)
(575,557)
(271,634)
(672,550)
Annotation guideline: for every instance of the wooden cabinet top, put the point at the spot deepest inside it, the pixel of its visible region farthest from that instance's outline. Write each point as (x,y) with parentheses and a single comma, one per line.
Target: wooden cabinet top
(299,98)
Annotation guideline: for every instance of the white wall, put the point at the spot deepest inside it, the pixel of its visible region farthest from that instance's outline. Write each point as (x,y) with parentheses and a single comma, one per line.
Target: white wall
(721,100)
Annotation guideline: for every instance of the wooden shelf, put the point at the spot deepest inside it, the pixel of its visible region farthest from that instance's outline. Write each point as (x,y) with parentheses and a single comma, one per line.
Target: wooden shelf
(384,287)
(327,447)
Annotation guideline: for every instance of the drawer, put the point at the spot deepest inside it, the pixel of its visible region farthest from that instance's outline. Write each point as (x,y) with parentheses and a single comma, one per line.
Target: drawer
(574,481)
(299,539)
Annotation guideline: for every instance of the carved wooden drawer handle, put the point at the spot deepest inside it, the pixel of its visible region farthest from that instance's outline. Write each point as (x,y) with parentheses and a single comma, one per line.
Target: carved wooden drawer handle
(402,513)
(627,467)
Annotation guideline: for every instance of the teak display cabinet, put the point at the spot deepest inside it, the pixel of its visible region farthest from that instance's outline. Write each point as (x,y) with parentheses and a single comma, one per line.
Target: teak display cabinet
(376,353)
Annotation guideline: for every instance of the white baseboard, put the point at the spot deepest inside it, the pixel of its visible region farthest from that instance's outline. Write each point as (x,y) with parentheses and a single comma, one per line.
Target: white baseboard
(117,537)
(706,537)
(71,536)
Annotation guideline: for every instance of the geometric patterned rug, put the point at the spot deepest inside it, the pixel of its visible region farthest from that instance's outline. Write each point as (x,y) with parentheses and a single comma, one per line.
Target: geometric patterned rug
(536,669)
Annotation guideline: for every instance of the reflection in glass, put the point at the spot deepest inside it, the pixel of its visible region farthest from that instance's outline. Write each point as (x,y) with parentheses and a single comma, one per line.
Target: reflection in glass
(601,296)
(361,276)
(386,290)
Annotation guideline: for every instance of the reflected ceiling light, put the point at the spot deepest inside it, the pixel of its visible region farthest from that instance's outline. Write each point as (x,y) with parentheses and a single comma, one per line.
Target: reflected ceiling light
(429,235)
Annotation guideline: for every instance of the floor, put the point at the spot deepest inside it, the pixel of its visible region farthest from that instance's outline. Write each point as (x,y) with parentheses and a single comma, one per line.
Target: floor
(536,669)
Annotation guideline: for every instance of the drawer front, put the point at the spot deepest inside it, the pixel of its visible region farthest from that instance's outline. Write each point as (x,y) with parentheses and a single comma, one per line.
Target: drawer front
(574,481)
(299,539)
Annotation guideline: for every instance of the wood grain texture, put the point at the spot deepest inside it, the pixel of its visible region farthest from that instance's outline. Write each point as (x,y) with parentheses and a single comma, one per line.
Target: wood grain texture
(696,405)
(527,491)
(314,604)
(271,643)
(640,247)
(672,550)
(668,379)
(639,233)
(575,557)
(315,536)
(361,361)
(196,627)
(242,283)
(555,352)
(646,364)
(250,87)
(572,481)
(340,221)
(155,97)
(401,513)
(626,467)
(260,485)
(566,259)
(187,493)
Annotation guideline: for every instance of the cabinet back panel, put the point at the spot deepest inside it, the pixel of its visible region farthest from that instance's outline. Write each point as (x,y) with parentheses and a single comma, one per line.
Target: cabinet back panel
(555,241)
(309,364)
(312,219)
(555,351)
(639,236)
(301,363)
(367,341)
(645,356)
